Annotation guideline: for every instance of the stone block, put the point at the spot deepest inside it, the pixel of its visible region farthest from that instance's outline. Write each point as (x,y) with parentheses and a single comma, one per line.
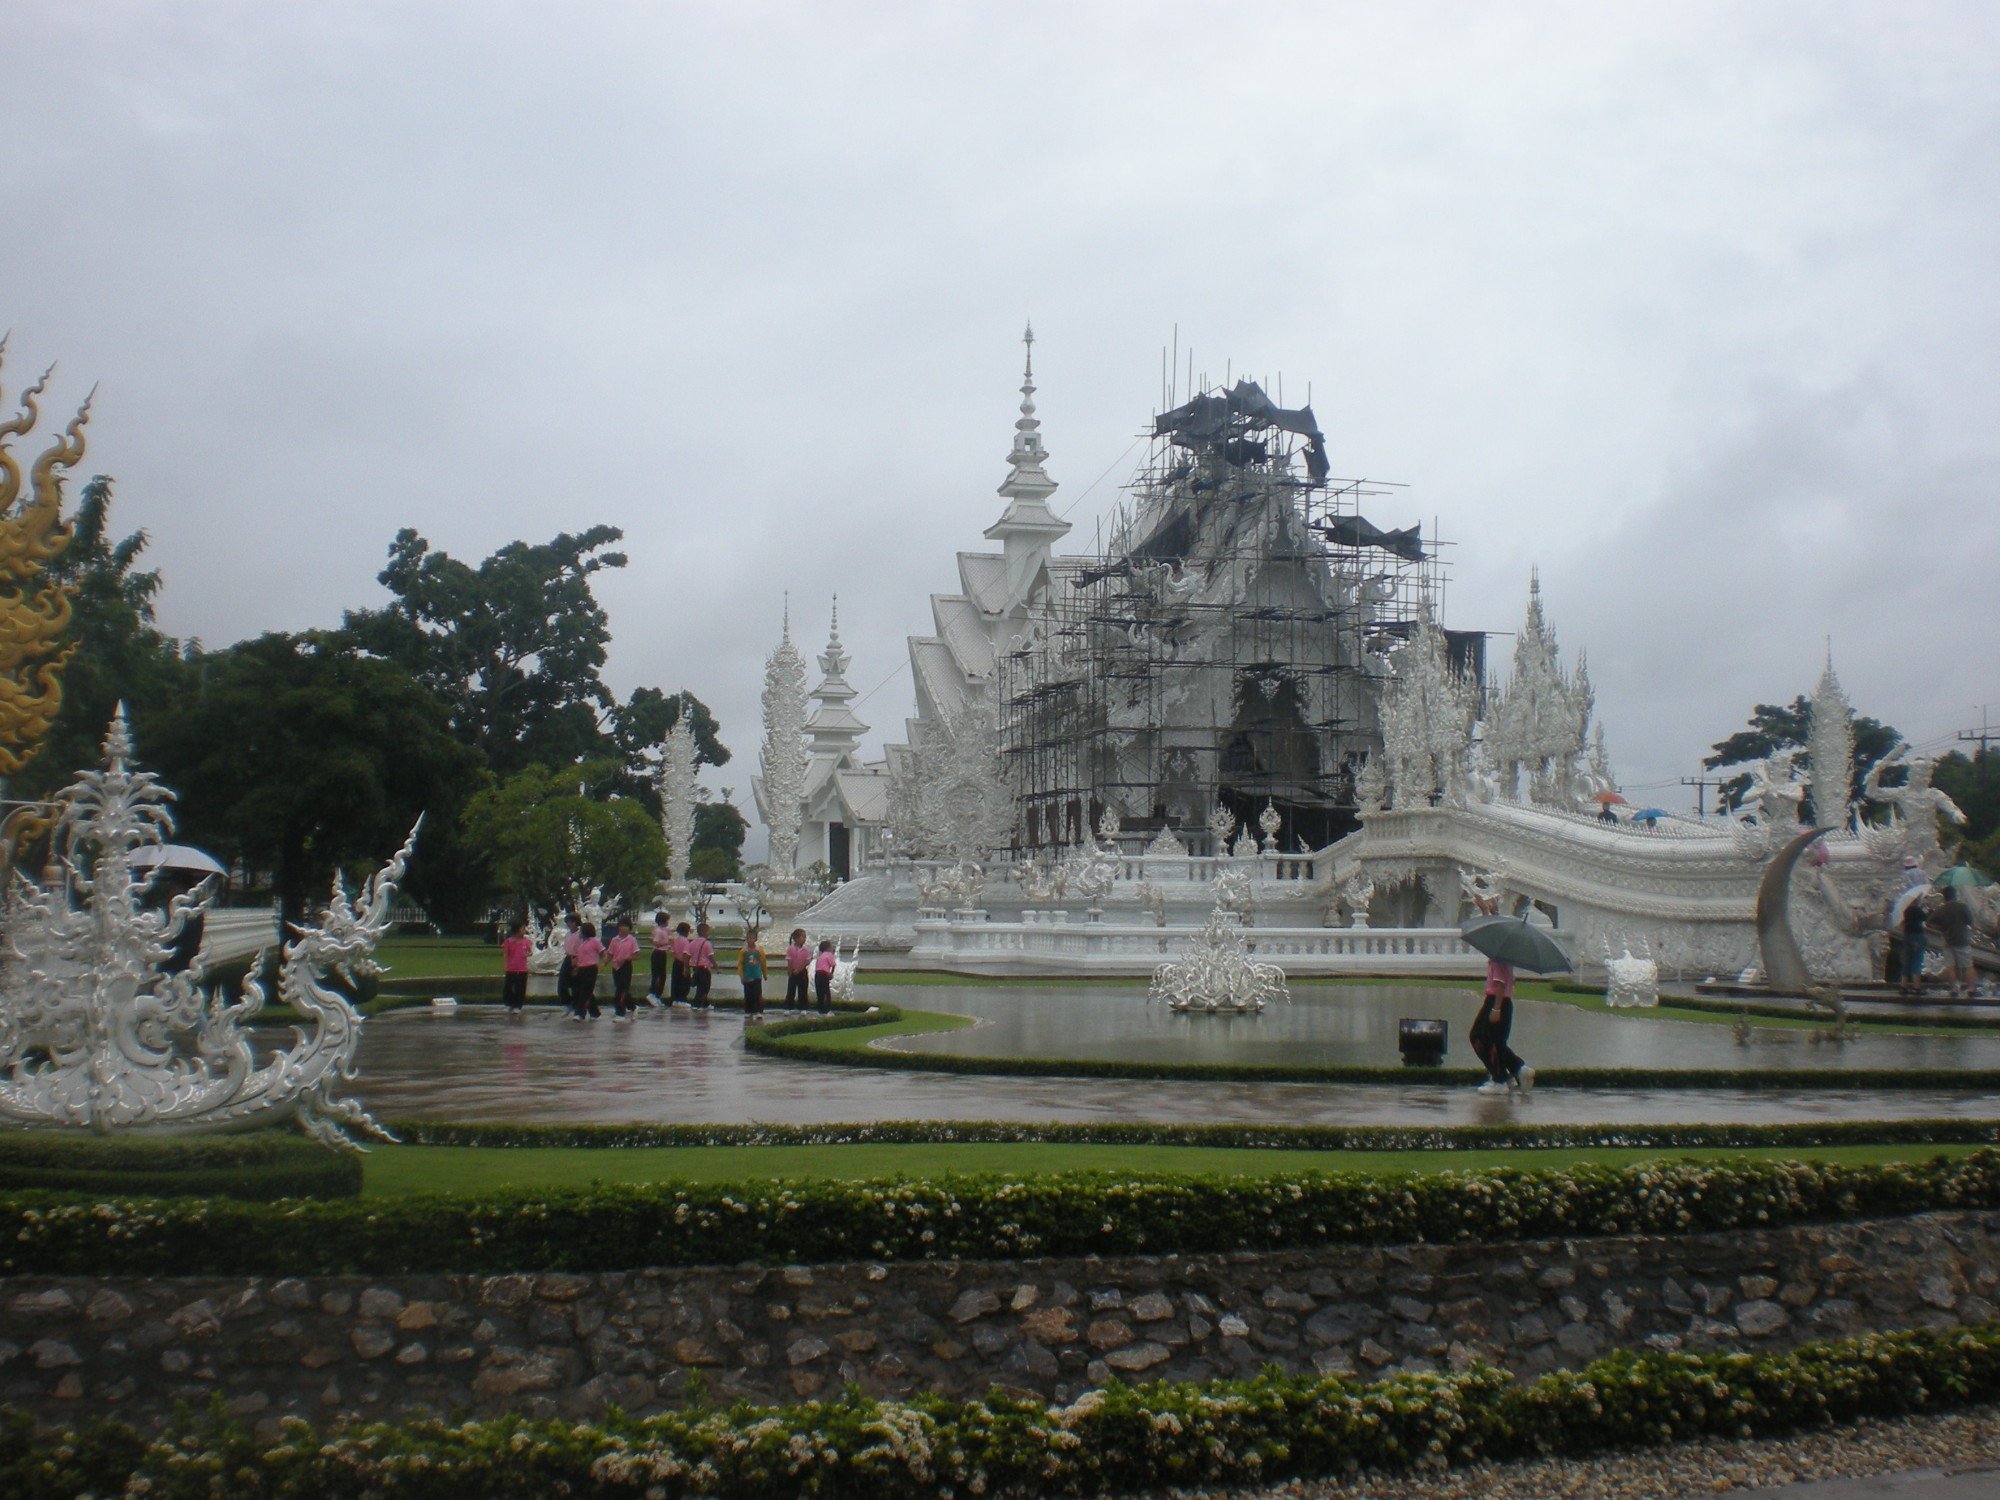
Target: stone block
(371,1343)
(1106,1297)
(1025,1296)
(1153,1307)
(1761,1318)
(52,1302)
(1135,1357)
(1410,1310)
(1284,1299)
(1757,1288)
(806,1349)
(506,1291)
(560,1286)
(108,1306)
(1050,1325)
(511,1372)
(1108,1333)
(292,1294)
(976,1303)
(53,1354)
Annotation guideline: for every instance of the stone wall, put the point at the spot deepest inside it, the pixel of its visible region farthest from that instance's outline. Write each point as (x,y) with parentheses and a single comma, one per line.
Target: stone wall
(341,1347)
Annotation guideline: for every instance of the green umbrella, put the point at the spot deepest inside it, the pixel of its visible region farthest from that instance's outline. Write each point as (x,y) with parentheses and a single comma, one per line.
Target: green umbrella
(1962,875)
(1513,941)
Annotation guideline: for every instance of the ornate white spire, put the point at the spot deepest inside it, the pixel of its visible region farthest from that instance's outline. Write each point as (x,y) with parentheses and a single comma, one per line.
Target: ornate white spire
(782,787)
(833,730)
(1830,747)
(1027,528)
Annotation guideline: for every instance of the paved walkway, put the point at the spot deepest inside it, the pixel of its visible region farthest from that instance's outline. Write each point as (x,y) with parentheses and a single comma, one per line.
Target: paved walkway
(478,1064)
(1978,1483)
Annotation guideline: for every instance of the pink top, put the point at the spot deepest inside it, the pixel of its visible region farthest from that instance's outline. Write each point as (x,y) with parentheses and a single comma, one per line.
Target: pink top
(588,952)
(569,945)
(798,958)
(680,947)
(824,963)
(663,939)
(1499,978)
(514,955)
(701,953)
(621,948)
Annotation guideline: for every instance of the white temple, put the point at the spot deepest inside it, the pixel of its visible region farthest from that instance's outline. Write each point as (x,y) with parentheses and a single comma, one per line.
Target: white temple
(1247,700)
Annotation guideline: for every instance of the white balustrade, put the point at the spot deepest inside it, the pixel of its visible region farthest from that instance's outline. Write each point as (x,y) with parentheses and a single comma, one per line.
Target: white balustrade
(1049,946)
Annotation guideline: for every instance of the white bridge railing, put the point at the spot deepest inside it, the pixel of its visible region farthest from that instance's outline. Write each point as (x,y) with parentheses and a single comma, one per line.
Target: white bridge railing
(965,942)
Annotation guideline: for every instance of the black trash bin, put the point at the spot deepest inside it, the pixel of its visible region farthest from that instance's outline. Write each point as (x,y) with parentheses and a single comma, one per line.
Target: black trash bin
(1422,1041)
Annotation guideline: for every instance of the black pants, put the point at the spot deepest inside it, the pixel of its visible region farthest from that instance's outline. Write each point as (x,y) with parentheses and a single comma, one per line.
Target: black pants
(703,978)
(565,979)
(514,990)
(621,990)
(1489,1041)
(583,990)
(680,982)
(797,991)
(753,997)
(659,985)
(823,988)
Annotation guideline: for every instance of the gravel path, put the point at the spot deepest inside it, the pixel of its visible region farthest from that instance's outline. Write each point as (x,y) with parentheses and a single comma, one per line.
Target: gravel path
(1773,1467)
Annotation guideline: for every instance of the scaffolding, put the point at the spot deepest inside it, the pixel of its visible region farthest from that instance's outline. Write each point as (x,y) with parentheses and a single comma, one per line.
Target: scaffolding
(1226,643)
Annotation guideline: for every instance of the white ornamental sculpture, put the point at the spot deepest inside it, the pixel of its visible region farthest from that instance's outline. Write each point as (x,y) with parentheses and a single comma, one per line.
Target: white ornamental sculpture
(1427,715)
(1629,981)
(1270,820)
(95,1035)
(1917,804)
(1830,747)
(1221,824)
(677,808)
(949,796)
(1539,723)
(785,757)
(1217,974)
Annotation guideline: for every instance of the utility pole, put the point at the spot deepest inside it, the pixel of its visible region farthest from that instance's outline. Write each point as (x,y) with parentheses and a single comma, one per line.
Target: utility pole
(1983,734)
(1701,784)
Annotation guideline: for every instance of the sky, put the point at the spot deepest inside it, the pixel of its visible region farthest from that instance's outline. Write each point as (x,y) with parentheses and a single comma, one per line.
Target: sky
(1690,306)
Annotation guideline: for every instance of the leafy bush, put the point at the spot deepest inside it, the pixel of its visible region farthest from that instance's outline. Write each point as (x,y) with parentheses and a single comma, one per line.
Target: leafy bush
(610,1227)
(259,1166)
(1118,1439)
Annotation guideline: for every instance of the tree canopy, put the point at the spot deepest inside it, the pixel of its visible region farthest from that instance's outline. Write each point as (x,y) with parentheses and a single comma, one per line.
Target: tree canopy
(553,834)
(304,755)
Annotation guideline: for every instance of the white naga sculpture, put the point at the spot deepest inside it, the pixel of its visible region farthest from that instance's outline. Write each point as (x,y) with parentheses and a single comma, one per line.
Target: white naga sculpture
(1916,804)
(677,808)
(95,1035)
(1217,973)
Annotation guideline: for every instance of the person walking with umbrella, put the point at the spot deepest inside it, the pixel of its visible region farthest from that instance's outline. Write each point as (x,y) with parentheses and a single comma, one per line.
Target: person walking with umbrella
(1509,943)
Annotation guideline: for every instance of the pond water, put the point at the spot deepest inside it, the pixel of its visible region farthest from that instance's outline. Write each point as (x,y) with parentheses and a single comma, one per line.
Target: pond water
(1355,1025)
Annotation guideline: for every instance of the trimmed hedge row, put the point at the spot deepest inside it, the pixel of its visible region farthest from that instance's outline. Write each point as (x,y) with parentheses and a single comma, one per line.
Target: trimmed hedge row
(622,1226)
(1116,1440)
(1795,1134)
(787,1039)
(257,1166)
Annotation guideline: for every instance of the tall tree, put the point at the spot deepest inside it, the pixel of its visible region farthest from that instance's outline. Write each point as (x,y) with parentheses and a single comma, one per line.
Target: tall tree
(303,755)
(554,835)
(1974,784)
(719,828)
(1774,727)
(121,655)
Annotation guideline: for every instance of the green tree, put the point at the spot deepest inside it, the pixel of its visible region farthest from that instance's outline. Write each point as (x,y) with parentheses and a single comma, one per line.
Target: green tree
(552,835)
(640,724)
(303,755)
(717,853)
(1974,784)
(1774,727)
(121,656)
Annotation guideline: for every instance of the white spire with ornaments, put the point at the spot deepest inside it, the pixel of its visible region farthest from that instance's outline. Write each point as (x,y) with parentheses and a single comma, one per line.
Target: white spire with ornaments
(1027,528)
(833,732)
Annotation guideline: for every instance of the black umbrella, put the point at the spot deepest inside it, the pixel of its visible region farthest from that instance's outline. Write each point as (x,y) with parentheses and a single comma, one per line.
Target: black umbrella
(1514,941)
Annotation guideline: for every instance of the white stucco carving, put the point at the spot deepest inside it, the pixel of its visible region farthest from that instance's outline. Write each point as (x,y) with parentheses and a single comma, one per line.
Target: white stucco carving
(1427,714)
(1217,973)
(785,756)
(1537,724)
(1916,805)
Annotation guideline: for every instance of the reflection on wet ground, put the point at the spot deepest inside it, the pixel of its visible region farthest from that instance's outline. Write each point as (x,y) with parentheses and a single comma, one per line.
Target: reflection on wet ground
(1356,1025)
(477,1064)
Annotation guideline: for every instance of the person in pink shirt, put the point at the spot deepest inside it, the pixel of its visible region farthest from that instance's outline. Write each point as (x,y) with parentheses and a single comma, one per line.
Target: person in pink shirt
(823,973)
(663,945)
(798,969)
(620,952)
(583,980)
(514,967)
(566,976)
(681,948)
(701,960)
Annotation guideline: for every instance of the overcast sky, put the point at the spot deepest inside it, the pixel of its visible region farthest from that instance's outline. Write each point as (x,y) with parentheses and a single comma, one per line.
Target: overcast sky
(1694,306)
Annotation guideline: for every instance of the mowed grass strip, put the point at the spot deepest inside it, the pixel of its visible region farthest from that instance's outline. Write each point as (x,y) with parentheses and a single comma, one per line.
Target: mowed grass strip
(404,1171)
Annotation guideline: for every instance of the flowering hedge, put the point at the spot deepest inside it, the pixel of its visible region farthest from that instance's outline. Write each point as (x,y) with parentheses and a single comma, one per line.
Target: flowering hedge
(1115,1440)
(1796,1134)
(609,1227)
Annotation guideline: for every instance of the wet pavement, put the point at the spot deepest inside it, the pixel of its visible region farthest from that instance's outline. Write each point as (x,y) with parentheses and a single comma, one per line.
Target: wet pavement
(479,1064)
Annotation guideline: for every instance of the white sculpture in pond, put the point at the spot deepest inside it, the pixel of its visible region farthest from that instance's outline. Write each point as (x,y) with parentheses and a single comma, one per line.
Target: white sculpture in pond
(95,1035)
(1217,973)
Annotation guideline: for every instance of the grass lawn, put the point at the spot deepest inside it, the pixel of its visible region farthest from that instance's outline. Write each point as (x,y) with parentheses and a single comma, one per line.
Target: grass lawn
(436,957)
(401,1171)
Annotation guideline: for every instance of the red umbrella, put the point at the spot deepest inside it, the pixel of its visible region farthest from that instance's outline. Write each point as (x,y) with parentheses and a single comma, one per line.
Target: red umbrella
(1606,797)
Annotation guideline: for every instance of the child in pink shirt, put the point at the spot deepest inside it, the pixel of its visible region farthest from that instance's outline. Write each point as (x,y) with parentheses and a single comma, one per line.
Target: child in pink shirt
(798,968)
(620,951)
(514,967)
(583,980)
(823,974)
(663,947)
(701,960)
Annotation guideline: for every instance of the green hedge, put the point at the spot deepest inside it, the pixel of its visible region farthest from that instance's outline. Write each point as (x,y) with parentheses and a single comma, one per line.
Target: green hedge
(789,1039)
(258,1166)
(1117,1440)
(1790,1134)
(620,1226)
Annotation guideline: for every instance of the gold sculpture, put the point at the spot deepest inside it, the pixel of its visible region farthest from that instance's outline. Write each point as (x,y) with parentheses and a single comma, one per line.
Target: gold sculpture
(34,613)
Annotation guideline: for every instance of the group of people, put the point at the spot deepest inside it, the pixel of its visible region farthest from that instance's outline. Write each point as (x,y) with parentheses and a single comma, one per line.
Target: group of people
(1910,932)
(683,968)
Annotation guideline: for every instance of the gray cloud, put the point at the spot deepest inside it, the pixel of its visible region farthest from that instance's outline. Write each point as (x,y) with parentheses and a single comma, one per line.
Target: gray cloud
(1690,305)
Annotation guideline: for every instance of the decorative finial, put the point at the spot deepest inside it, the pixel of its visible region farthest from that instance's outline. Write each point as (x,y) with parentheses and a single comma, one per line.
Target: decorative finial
(833,632)
(787,631)
(1027,422)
